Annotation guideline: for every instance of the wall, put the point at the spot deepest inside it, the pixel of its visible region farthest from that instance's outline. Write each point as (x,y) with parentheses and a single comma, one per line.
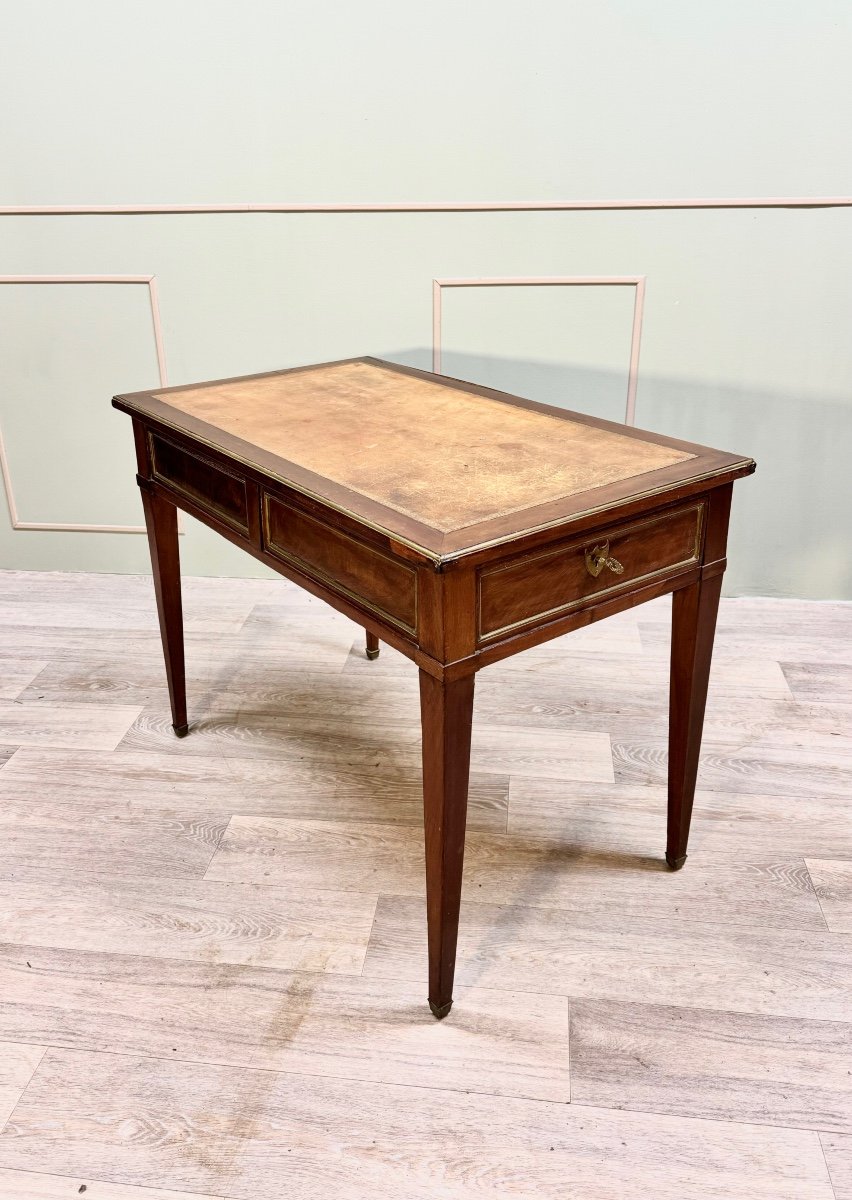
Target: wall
(745,339)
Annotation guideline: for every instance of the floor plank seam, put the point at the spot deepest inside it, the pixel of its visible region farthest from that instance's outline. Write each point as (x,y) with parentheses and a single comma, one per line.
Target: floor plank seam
(654,1112)
(523,989)
(298,1074)
(264,969)
(392,1086)
(369,937)
(167,958)
(515,988)
(818,896)
(384,1083)
(827,1166)
(155,1189)
(570,1068)
(44,1050)
(216,848)
(664,919)
(9,759)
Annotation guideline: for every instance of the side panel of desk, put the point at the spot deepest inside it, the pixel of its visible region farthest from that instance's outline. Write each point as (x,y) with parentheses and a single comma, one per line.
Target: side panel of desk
(357,573)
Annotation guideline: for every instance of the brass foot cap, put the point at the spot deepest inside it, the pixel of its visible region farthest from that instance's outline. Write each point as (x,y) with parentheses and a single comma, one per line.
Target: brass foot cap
(180,730)
(372,654)
(440,1010)
(675,863)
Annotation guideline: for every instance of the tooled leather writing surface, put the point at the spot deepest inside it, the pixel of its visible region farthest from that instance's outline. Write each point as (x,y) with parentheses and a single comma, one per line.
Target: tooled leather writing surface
(441,455)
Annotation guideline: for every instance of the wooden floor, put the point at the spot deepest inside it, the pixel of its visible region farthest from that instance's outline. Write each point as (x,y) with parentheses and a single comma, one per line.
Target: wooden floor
(213,954)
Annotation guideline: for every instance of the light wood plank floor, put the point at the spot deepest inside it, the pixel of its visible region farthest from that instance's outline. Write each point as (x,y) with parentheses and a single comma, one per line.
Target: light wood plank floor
(213,954)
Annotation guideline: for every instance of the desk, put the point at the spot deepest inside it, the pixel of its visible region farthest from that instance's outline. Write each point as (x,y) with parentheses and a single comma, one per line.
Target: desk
(456,523)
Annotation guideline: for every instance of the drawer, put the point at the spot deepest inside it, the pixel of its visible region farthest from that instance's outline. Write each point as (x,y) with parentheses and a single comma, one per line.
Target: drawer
(367,575)
(551,582)
(218,492)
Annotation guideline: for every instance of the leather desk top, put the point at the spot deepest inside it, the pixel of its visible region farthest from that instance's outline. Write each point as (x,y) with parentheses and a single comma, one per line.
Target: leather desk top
(446,465)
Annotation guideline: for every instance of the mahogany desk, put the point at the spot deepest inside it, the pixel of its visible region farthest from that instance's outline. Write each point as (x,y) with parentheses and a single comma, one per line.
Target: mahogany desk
(457,523)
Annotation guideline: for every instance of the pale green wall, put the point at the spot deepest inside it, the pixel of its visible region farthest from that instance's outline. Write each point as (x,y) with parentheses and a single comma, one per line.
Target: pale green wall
(746,342)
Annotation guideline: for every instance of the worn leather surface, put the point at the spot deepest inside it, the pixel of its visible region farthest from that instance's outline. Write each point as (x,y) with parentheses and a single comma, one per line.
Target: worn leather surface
(439,454)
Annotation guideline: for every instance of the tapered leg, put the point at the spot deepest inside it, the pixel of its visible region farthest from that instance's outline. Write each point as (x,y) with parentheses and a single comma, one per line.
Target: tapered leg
(446,711)
(161,522)
(694,610)
(372,645)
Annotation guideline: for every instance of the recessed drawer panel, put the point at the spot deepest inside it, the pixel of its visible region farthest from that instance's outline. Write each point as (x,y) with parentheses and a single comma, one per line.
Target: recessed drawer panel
(218,492)
(352,567)
(549,582)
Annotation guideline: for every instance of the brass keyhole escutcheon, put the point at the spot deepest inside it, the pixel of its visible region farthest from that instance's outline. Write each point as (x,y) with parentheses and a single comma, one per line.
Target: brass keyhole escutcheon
(598,557)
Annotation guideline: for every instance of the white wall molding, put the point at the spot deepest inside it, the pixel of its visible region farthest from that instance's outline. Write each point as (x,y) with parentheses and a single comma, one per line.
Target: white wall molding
(448,206)
(634,281)
(64,527)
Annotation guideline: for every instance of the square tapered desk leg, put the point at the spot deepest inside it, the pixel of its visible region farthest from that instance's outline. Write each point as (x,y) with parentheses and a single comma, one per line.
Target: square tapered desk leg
(161,523)
(446,711)
(694,610)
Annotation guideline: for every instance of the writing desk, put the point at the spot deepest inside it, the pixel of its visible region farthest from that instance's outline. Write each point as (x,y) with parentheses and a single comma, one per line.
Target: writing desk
(458,524)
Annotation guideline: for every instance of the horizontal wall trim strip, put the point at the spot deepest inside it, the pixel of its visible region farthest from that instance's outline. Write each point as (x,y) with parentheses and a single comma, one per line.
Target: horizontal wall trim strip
(449,206)
(539,281)
(76,279)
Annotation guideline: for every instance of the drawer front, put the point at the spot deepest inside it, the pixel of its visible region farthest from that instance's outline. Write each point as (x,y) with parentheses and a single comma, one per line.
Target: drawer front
(218,492)
(362,572)
(550,582)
